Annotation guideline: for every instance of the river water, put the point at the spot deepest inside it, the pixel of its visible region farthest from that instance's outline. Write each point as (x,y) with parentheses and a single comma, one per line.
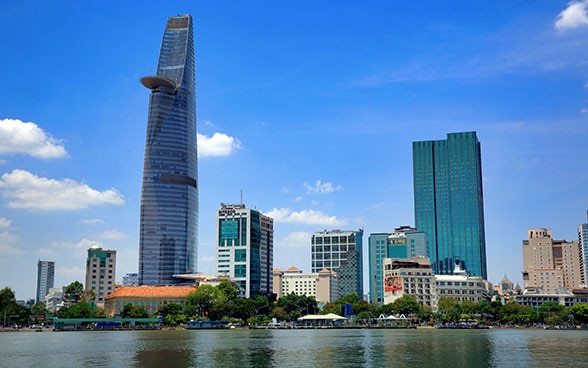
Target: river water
(296,348)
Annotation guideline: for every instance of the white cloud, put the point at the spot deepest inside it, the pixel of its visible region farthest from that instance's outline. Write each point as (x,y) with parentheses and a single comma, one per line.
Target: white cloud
(297,239)
(27,191)
(46,253)
(309,217)
(584,110)
(18,137)
(4,223)
(573,16)
(586,85)
(93,221)
(322,188)
(112,234)
(73,273)
(219,144)
(83,244)
(7,241)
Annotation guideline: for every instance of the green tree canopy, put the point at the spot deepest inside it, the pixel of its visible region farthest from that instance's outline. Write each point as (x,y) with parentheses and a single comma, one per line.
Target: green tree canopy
(205,298)
(74,292)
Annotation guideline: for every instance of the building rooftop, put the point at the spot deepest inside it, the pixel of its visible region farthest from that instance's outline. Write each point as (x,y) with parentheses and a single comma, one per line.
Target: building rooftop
(152,291)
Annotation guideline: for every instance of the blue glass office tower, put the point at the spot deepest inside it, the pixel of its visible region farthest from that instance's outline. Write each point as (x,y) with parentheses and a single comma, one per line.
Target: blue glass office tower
(169,199)
(448,202)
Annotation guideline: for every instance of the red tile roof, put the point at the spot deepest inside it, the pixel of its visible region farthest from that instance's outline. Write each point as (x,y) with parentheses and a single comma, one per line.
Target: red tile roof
(152,291)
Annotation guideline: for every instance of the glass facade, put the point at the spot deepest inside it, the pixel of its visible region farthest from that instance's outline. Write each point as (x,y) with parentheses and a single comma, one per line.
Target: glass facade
(169,198)
(45,279)
(448,202)
(340,251)
(244,250)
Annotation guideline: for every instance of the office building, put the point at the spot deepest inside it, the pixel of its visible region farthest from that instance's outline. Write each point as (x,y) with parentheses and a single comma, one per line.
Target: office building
(131,279)
(550,265)
(404,242)
(100,274)
(583,243)
(448,202)
(45,279)
(323,285)
(169,200)
(340,251)
(244,248)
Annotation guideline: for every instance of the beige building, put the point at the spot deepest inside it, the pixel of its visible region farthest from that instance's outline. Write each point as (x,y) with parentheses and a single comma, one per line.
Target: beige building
(100,273)
(550,265)
(409,276)
(323,285)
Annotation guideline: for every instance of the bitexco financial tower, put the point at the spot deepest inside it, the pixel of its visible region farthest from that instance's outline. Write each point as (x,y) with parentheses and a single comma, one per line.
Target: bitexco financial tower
(169,198)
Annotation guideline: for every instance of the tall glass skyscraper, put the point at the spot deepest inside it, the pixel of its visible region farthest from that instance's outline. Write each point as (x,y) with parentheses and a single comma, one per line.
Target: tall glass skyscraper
(45,279)
(169,199)
(448,202)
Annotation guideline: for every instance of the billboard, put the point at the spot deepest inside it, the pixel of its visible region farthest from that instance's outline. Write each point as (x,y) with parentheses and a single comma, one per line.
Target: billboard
(393,283)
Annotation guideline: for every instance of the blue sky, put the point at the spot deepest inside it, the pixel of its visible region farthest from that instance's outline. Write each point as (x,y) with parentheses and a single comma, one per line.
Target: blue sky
(307,108)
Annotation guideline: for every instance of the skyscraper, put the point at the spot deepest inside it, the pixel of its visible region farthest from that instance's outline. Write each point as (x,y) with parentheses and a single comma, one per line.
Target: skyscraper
(100,273)
(45,279)
(169,198)
(449,203)
(340,251)
(244,248)
(583,241)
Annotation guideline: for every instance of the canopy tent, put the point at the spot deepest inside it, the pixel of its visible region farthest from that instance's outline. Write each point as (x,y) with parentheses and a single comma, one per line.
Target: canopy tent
(325,317)
(393,318)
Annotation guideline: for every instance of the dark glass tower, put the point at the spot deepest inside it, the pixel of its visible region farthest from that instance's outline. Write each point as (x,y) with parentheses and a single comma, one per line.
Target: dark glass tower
(169,198)
(448,202)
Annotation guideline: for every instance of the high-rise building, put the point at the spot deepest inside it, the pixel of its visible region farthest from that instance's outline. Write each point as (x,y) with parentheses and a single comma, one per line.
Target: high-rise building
(244,248)
(583,242)
(169,199)
(130,279)
(449,203)
(550,265)
(45,279)
(404,242)
(100,273)
(340,251)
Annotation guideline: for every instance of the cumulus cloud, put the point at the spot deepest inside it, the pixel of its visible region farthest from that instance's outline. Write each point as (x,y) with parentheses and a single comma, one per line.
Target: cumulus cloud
(112,234)
(4,223)
(18,137)
(575,15)
(46,253)
(83,244)
(308,217)
(322,188)
(24,190)
(297,239)
(219,144)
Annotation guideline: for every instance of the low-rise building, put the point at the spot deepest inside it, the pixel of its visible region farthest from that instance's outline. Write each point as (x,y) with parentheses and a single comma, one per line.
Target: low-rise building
(323,285)
(567,298)
(462,287)
(54,299)
(150,297)
(409,276)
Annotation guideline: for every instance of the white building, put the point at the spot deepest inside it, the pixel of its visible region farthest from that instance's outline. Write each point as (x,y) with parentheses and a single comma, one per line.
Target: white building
(462,287)
(323,285)
(244,248)
(54,300)
(583,244)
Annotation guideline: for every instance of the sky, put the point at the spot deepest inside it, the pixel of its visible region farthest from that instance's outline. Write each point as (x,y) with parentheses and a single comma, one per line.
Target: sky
(306,110)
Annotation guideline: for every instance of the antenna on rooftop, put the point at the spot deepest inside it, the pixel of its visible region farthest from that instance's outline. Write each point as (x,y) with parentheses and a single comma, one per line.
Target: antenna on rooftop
(241,202)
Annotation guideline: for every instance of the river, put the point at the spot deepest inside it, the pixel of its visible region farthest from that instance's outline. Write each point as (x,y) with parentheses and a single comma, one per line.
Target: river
(296,348)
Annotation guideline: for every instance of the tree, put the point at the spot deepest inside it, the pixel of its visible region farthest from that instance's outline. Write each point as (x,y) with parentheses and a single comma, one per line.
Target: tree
(134,311)
(449,309)
(406,305)
(580,313)
(205,298)
(80,310)
(229,291)
(38,308)
(73,292)
(170,309)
